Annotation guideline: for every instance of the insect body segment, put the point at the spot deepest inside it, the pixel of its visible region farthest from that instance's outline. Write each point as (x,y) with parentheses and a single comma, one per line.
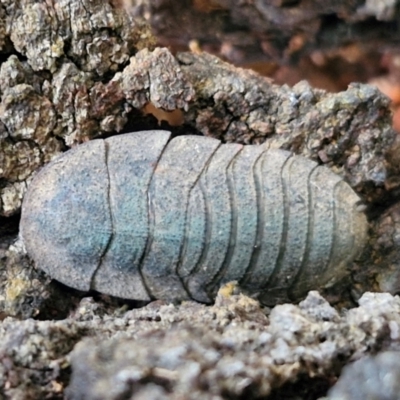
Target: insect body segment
(141,216)
(130,166)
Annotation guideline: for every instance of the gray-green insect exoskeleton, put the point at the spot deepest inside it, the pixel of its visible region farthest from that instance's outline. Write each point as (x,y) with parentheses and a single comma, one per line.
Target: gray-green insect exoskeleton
(141,216)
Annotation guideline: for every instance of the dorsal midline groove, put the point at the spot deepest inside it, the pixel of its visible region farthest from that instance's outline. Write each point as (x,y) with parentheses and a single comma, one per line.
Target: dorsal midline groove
(210,288)
(285,224)
(310,225)
(150,219)
(185,239)
(260,219)
(334,223)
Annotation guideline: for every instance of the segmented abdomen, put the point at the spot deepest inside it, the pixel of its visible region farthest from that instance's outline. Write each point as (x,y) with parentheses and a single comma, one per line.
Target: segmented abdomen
(141,216)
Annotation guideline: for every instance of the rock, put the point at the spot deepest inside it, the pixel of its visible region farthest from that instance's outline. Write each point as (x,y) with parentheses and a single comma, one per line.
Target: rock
(371,377)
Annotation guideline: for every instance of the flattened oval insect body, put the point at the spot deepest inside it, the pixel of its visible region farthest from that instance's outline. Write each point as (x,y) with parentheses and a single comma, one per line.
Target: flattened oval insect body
(141,216)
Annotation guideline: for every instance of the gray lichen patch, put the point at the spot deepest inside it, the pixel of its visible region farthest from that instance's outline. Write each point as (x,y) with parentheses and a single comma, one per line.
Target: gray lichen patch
(93,34)
(155,77)
(369,378)
(84,108)
(27,142)
(26,114)
(24,289)
(230,349)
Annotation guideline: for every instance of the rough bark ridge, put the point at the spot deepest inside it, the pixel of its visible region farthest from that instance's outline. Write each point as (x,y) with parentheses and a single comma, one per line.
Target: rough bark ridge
(76,70)
(232,349)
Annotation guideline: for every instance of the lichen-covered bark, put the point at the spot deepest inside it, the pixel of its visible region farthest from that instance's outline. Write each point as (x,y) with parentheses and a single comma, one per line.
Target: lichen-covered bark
(93,34)
(155,77)
(369,378)
(232,349)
